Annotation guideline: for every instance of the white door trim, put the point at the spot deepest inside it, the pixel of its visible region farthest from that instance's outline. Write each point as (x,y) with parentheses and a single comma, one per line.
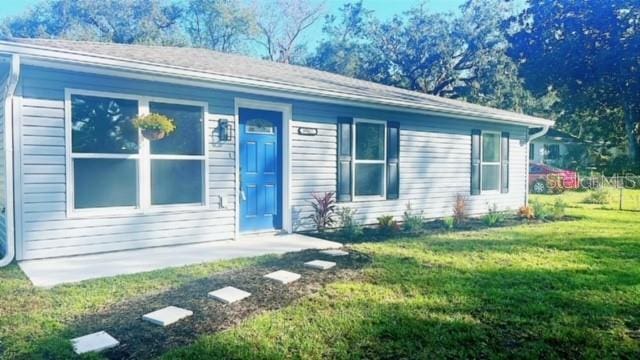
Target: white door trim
(286,110)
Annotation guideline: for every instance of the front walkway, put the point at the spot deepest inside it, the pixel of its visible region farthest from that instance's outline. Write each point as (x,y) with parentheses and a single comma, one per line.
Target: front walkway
(51,272)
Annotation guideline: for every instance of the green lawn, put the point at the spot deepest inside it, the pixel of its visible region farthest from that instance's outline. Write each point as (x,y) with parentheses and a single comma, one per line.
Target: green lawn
(555,290)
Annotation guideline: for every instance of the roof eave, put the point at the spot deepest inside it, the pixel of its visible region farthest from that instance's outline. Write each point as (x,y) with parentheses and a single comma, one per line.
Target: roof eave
(33,54)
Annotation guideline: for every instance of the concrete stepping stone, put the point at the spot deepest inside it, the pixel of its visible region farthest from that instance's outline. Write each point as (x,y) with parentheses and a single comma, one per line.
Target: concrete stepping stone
(167,316)
(95,342)
(334,252)
(283,277)
(229,294)
(320,264)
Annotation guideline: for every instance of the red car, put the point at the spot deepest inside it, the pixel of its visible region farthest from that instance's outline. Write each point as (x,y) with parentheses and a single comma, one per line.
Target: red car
(544,178)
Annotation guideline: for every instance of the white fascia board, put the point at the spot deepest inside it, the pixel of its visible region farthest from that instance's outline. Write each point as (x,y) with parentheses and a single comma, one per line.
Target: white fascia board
(48,57)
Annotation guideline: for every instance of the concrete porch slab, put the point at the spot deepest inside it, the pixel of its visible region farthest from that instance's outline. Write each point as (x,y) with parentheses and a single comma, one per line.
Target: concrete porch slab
(52,272)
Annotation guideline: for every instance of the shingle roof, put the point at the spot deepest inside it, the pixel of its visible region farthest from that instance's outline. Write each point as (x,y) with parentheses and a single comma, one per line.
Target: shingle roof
(243,67)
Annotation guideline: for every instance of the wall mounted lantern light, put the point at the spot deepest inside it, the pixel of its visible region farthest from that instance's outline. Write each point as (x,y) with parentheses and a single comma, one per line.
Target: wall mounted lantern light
(224,130)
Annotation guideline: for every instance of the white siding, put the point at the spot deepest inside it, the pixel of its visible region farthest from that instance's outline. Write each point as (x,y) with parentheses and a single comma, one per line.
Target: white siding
(47,231)
(434,167)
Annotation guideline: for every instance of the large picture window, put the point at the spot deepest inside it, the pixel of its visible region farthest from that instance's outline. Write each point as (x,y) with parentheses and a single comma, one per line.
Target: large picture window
(112,166)
(490,170)
(370,159)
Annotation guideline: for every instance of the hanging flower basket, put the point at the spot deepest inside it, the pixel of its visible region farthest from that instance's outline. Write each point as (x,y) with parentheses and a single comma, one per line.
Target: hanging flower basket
(154,126)
(153,134)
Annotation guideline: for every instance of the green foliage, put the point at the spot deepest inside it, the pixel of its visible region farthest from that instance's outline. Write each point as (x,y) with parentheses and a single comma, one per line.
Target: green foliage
(540,209)
(154,122)
(561,45)
(449,222)
(559,208)
(387,225)
(349,227)
(219,25)
(119,21)
(493,217)
(324,207)
(412,221)
(434,53)
(599,195)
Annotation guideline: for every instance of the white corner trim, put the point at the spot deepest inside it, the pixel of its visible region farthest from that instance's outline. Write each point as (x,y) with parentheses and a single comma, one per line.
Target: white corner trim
(530,138)
(287,118)
(9,93)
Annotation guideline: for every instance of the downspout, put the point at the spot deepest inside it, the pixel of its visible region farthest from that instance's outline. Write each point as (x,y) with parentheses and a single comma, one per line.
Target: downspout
(530,138)
(9,92)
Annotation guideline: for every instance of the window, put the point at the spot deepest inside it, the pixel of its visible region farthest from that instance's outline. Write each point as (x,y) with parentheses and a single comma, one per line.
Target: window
(552,151)
(114,167)
(177,161)
(104,152)
(370,159)
(260,126)
(490,169)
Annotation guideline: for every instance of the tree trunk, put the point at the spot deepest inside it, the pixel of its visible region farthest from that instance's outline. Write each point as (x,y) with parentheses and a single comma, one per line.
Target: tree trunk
(631,118)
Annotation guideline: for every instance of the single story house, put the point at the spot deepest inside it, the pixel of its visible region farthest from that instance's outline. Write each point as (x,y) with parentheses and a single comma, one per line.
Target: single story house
(254,140)
(555,148)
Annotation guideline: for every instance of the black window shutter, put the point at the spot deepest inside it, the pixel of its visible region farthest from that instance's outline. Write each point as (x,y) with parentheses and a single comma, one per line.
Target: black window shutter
(504,163)
(343,192)
(475,162)
(393,160)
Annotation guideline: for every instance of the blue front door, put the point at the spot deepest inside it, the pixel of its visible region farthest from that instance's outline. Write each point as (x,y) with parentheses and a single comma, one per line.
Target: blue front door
(260,170)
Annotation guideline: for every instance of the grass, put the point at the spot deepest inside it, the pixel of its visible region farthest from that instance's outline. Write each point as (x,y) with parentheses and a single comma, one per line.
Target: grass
(554,290)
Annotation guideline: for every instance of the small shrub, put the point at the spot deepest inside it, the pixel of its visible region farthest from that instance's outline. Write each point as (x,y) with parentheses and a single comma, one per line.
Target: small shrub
(449,222)
(387,225)
(460,209)
(526,212)
(412,221)
(559,208)
(599,196)
(350,229)
(540,210)
(494,217)
(324,207)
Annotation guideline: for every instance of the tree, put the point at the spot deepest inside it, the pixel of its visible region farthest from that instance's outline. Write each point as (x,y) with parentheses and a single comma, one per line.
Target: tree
(589,52)
(120,21)
(281,24)
(454,56)
(223,25)
(346,48)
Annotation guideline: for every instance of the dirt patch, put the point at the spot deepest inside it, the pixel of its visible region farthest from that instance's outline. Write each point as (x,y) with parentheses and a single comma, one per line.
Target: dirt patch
(141,340)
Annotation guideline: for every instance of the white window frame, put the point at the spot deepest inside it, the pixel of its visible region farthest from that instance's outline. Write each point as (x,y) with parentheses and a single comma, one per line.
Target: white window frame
(144,157)
(482,162)
(355,161)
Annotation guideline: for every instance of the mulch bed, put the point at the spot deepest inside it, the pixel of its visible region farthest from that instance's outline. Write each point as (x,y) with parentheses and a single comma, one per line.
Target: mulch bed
(373,234)
(141,340)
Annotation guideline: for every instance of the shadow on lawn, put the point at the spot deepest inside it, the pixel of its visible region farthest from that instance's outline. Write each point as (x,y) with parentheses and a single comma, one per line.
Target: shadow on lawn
(452,313)
(141,340)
